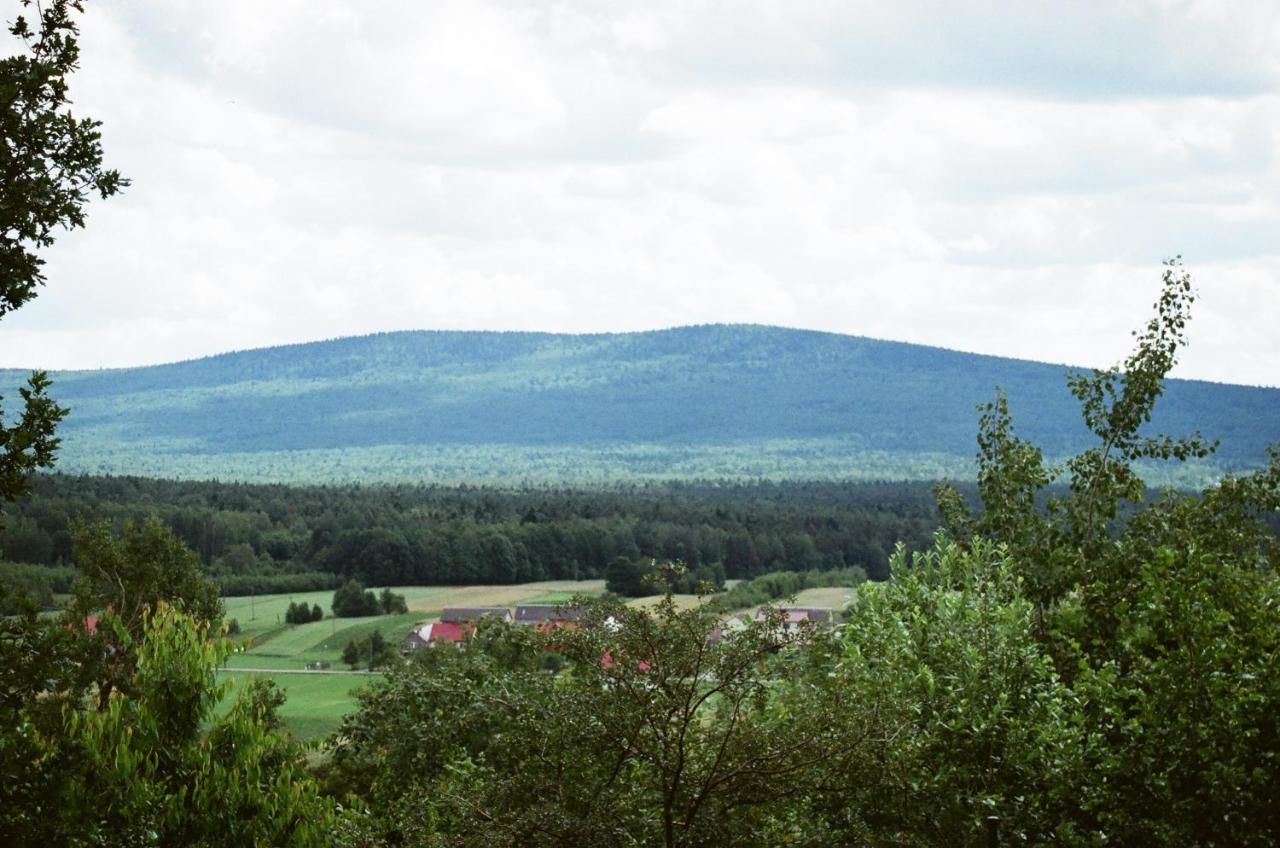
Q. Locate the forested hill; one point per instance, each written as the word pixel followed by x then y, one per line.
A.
pixel 705 401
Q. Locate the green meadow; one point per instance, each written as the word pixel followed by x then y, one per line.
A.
pixel 264 613
pixel 317 700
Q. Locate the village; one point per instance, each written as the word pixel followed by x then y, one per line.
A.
pixel 457 624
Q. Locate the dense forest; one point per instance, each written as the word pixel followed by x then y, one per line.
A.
pixel 713 401
pixel 262 538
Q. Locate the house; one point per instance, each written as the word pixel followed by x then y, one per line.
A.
pixel 547 617
pixel 452 632
pixel 456 624
pixel 461 615
pixel 419 637
pixel 795 617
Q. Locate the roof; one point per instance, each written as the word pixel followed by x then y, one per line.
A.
pixel 449 631
pixel 418 636
pixel 460 614
pixel 795 615
pixel 534 613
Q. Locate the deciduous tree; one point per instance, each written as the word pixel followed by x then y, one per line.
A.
pixel 129 576
pixel 656 732
pixel 50 164
pixel 1162 615
pixel 157 766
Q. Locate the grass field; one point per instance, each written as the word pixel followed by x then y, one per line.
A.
pixel 835 597
pixel 506 596
pixel 683 602
pixel 262 613
pixel 552 598
pixel 317 701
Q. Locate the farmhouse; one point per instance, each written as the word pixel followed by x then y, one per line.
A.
pixel 419 637
pixel 470 615
pixel 795 617
pixel 456 625
pixel 547 617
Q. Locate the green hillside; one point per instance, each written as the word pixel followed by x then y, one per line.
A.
pixel 705 401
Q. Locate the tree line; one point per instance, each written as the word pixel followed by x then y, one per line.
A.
pixel 256 539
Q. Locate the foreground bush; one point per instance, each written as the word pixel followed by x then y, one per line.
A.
pixel 155 766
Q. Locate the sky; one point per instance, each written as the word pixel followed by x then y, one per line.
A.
pixel 1007 180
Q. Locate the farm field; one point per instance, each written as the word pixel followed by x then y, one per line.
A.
pixel 835 597
pixel 318 700
pixel 263 613
pixel 683 602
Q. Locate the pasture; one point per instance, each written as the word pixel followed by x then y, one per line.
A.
pixel 317 701
pixel 683 602
pixel 834 597
pixel 263 613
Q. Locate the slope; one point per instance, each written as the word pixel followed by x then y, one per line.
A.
pixel 704 401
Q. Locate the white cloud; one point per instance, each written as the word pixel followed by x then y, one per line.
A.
pixel 1002 182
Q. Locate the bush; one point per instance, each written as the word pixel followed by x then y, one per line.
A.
pixel 632 578
pixel 352 600
pixel 392 603
pixel 638 578
pixel 372 650
pixel 298 613
pixel 781 584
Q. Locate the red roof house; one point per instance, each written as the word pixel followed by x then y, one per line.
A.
pixel 453 632
pixel 793 617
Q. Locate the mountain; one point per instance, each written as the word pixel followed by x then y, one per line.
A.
pixel 706 401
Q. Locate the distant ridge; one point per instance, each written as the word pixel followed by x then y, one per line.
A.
pixel 734 401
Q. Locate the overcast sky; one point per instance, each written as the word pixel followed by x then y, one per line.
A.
pixel 1004 181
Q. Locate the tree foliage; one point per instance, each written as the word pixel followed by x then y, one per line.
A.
pixel 352 600
pixel 128 576
pixel 300 613
pixel 963 720
pixel 392 603
pixel 373 651
pixel 50 164
pixel 158 766
pixel 1161 616
pixel 130 573
pixel 286 540
pixel 51 160
pixel 656 732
